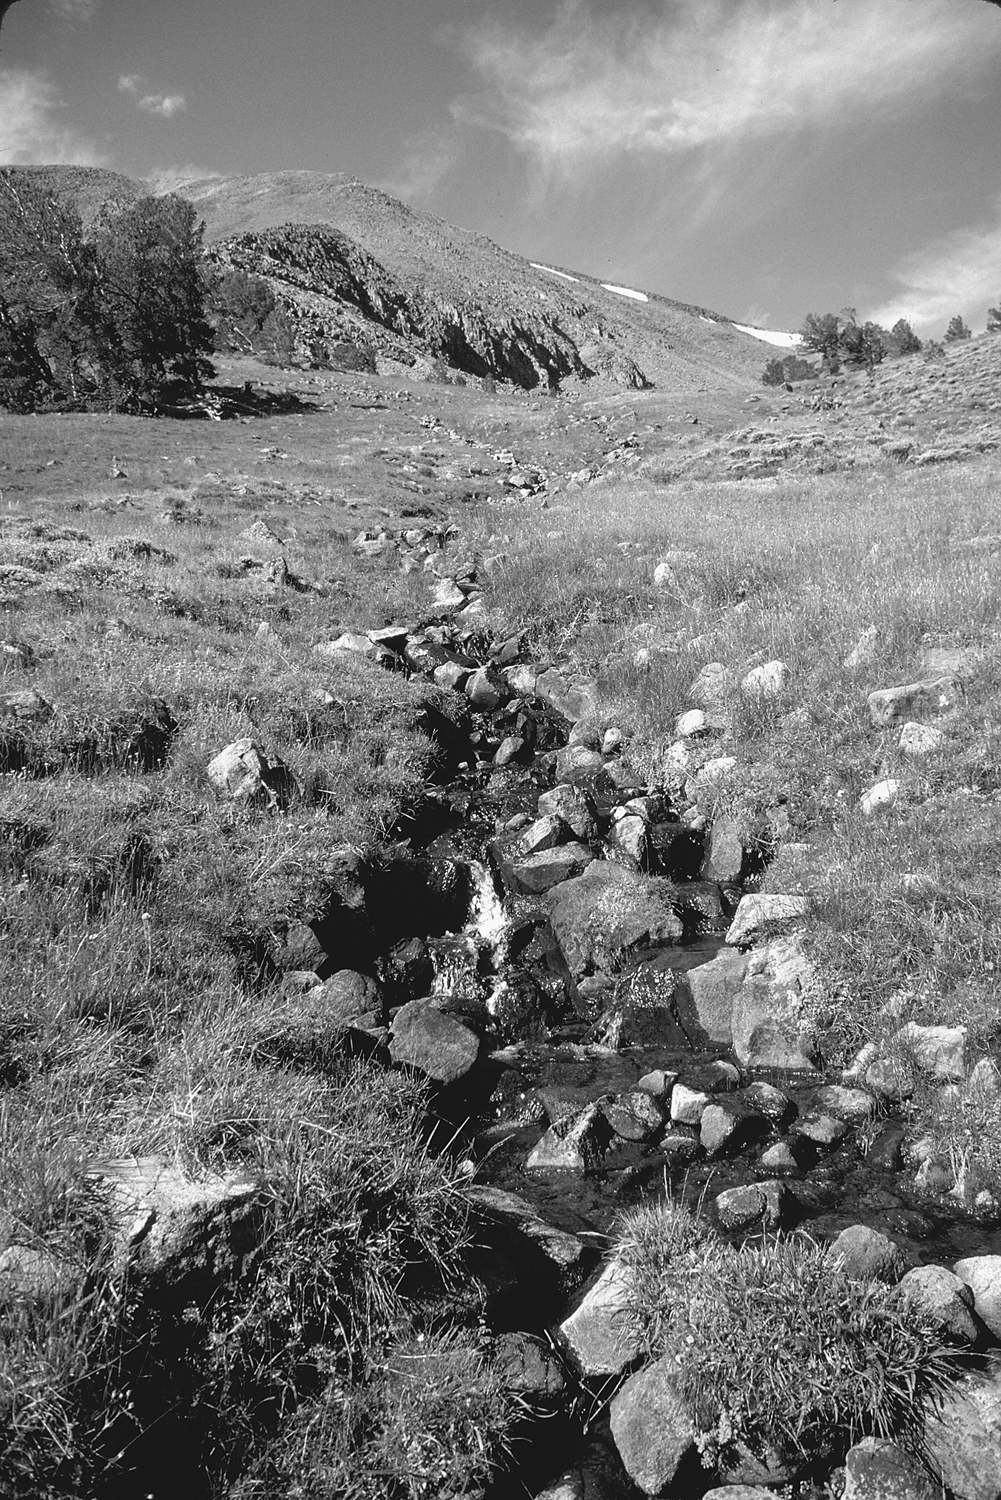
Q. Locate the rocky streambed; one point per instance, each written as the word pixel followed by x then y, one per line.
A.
pixel 613 1011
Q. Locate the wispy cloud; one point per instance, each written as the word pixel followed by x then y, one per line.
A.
pixel 74 10
pixel 427 160
pixel 164 105
pixel 693 73
pixel 958 273
pixel 31 128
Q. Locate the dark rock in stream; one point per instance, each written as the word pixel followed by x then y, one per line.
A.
pixel 437 1045
pixel 605 915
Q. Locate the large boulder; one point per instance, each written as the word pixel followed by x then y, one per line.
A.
pixel 599 1334
pixel 652 1426
pixel 982 1274
pixel 891 705
pixel 771 1023
pixel 878 1470
pixel 574 1143
pixel 760 911
pixel 243 773
pixel 608 914
pixel 435 1044
pixel 963 1435
pixel 713 988
pixel 945 1297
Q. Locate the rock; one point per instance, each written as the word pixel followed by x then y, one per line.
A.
pixel 565 1251
pixel 890 705
pixel 822 1129
pixel 688 1105
pixel 572 700
pixel 739 1492
pixel 540 872
pixel 636 1115
pixel 890 1079
pixel 921 739
pixel 569 1486
pixel 714 987
pixel 544 833
pixel 716 770
pixel 599 1334
pixel 944 1296
pixel 864 650
pixel 939 1050
pixel 758 1203
pixel 854 1105
pixel 951 661
pixel 643 1012
pixel 772 1027
pixel 963 1437
pixel 520 679
pixel 692 724
pixel 713 685
pixel 756 912
pixel 573 1144
pixel 729 1127
pixel 652 1426
pixel 350 642
pixel 25 706
pixel 770 1101
pixel 725 855
pixel 782 1157
pixel 452 675
pixel 866 1255
pixel 31 1274
pixel 447 595
pixel 982 1274
pixel 508 750
pixel 576 763
pixel 185 1234
pixel 572 806
pixel 243 773
pixel 436 1044
pixel 880 797
pixel 627 840
pixel 486 689
pixel 526 1368
pixel 766 681
pixel 878 1470
pixel 608 913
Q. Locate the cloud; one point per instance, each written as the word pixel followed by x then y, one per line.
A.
pixel 693 73
pixel 74 10
pixel 31 130
pixel 164 105
pixel 958 273
pixel 428 159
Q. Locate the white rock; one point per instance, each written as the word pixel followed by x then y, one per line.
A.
pixel 920 739
pixel 448 595
pixel 754 912
pixel 691 723
pixel 688 1105
pixel 717 769
pixel 349 641
pixel 982 1274
pixel 713 684
pixel 939 1050
pixel 766 681
pixel 597 1333
pixel 880 796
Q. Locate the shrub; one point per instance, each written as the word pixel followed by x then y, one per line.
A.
pixel 902 339
pixel 957 331
pixel 994 319
pixel 777 1350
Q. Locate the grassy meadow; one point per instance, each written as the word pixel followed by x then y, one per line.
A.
pixel 142 917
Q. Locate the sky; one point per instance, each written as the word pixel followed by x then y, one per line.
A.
pixel 763 158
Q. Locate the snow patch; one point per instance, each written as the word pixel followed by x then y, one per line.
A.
pixel 780 340
pixel 625 291
pixel 552 271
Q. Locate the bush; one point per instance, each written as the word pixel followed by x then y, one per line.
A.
pixel 902 339
pixel 957 331
pixel 776 1348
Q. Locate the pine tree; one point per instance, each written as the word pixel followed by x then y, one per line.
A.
pixel 957 330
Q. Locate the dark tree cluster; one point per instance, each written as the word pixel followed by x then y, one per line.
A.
pixel 787 369
pixel 112 319
pixel 246 317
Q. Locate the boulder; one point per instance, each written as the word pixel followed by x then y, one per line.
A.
pixel 757 1203
pixel 572 806
pixel 565 1251
pixel 526 1368
pixel 636 1115
pixel 982 1274
pixel 878 1470
pixel 766 681
pixel 963 1437
pixel 866 1255
pixel 688 1105
pixel 921 739
pixel 939 1050
pixel 881 796
pixel 349 643
pixel 436 1044
pixel 571 699
pixel 692 724
pixel 643 1012
pixel 754 913
pixel 822 1129
pixel 575 1143
pixel 187 1235
pixel 540 872
pixel 576 763
pixel 854 1105
pixel 243 773
pixel 891 705
pixel 447 595
pixel 608 913
pixel 599 1333
pixel 942 1295
pixel 713 685
pixel 730 1127
pixel 713 988
pixel 486 689
pixel 771 1022
pixel 725 855
pixel 627 839
pixel 544 833
pixel 652 1426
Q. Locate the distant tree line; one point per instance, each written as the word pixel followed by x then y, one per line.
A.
pixel 122 316
pixel 843 339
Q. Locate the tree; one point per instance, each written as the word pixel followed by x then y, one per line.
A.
pixel 821 334
pixel 864 344
pixel 784 370
pixel 957 330
pixel 994 319
pixel 114 321
pixel 246 316
pixel 902 338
